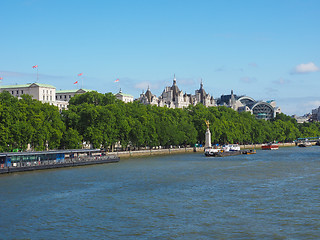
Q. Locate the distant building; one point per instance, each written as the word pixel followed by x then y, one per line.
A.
pixel 261 109
pixel 202 97
pixel 173 97
pixel 124 97
pixel 42 92
pixel 148 98
pixel 63 97
pixel 315 115
pixel 302 119
pixel 66 95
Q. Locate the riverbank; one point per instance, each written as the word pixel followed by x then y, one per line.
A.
pixel 138 153
pixel 128 154
pixel 258 146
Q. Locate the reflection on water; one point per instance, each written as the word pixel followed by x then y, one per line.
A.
pixel 272 194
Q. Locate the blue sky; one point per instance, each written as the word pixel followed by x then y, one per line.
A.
pixel 266 49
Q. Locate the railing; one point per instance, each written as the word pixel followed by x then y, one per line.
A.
pixel 47 164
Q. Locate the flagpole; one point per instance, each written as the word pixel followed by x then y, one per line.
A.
pixel 37 75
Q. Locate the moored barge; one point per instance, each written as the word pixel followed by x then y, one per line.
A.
pixel 30 161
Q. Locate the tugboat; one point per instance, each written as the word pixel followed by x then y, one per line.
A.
pixel 249 151
pixel 270 146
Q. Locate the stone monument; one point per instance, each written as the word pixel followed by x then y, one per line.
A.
pixel 208 136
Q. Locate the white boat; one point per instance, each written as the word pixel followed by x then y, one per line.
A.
pixel 212 151
pixel 231 147
pixel 225 150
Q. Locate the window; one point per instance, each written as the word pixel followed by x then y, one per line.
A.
pixel 12 92
pixel 43 98
pixel 65 96
pixel 50 98
pixel 21 91
pixel 47 98
pixel 17 91
pixel 47 91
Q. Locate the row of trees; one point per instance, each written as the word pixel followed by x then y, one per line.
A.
pixel 102 120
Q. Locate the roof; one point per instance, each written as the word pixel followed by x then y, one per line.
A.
pixel 27 85
pixel 123 94
pixel 73 91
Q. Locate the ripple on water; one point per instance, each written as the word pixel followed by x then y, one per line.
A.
pixel 269 195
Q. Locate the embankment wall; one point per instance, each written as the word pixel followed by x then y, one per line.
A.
pixel 127 154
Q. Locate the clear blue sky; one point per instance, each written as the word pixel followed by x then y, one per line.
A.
pixel 266 49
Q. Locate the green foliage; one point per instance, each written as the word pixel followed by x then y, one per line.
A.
pixel 26 121
pixel 103 121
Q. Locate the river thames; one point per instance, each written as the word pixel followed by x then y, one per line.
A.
pixel 269 195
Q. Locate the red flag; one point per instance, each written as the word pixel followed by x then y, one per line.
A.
pixel 75 82
pixel 80 74
pixel 1 78
pixel 35 66
pixel 117 80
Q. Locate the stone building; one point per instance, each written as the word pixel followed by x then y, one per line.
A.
pixel 44 93
pixel 124 97
pixel 315 115
pixel 173 97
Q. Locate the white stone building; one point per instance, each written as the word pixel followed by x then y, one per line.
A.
pixel 42 92
pixel 124 97
pixel 172 97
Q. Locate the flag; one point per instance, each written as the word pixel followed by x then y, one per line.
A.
pixel 117 80
pixel 80 74
pixel 35 66
pixel 1 78
pixel 75 82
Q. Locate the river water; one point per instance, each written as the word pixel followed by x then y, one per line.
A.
pixel 269 195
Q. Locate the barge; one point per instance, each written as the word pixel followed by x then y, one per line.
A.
pixel 29 161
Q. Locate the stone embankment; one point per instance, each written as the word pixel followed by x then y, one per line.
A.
pixel 138 153
pixel 258 146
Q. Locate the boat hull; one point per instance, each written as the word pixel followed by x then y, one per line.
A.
pixel 270 147
pixel 223 154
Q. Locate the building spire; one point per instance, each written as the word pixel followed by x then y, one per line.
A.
pixel 174 79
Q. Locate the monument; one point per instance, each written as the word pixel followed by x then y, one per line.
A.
pixel 208 136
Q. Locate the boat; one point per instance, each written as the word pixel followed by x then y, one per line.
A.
pixel 212 151
pixel 270 146
pixel 249 151
pixel 225 150
pixel 231 147
pixel 305 144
